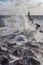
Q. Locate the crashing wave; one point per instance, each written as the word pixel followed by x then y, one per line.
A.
pixel 21 41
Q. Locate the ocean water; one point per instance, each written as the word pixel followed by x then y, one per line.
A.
pixel 8 23
pixel 38 19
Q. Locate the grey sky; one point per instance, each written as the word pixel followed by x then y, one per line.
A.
pixel 16 6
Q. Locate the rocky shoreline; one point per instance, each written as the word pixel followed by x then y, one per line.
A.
pixel 22 47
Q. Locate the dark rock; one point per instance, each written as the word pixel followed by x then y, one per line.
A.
pixel 31 61
pixel 37 25
pixel 18 51
pixel 28 52
pixel 11 44
pixel 4 61
pixel 27 61
pixel 41 31
pixel 20 39
pixel 20 62
pixel 29 44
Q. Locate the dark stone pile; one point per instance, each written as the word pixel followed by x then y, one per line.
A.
pixel 28 53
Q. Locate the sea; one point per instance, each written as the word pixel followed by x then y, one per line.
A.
pixel 38 19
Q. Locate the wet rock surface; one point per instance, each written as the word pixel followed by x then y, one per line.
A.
pixel 23 52
pixel 22 48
